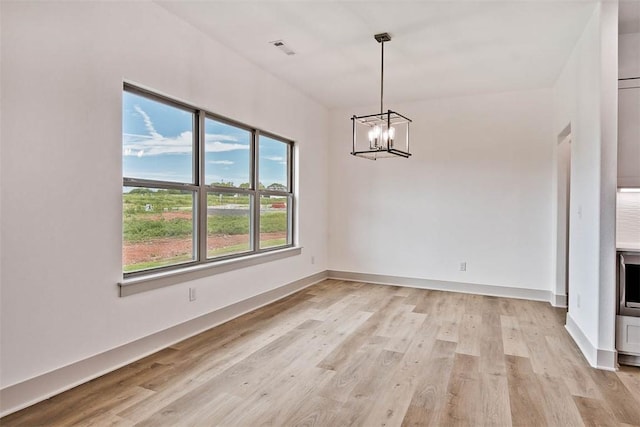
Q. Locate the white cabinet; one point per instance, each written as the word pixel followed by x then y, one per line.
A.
pixel 629 133
pixel 628 335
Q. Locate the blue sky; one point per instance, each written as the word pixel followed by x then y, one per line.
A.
pixel 157 144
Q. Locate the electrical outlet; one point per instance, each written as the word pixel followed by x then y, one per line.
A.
pixel 463 266
pixel 192 294
pixel 313 259
pixel 578 300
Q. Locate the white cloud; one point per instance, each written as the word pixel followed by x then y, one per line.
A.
pixel 213 143
pixel 221 162
pixel 135 135
pixel 148 123
pixel 133 145
pixel 281 160
pixel 156 144
pixel 217 146
pixel 218 137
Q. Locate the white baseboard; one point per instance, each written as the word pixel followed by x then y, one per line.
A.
pixel 34 390
pixel 559 301
pixel 441 285
pixel 596 357
pixel 607 360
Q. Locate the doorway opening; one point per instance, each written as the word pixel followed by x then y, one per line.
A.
pixel 563 191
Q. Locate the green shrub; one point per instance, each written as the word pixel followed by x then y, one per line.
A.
pixel 228 224
pixel 273 222
pixel 138 229
pixel 142 227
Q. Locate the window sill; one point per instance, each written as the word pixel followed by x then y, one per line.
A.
pixel 152 281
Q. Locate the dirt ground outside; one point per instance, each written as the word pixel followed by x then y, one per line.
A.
pixel 159 249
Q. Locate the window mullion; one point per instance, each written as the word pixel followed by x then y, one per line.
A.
pixel 289 168
pixel 165 185
pixel 202 192
pixel 256 198
pixel 290 224
pixel 291 205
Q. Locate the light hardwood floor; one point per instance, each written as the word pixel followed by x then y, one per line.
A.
pixel 344 353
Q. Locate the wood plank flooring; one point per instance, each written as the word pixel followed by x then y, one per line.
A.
pixel 346 353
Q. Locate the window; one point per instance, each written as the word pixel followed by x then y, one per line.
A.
pixel 198 188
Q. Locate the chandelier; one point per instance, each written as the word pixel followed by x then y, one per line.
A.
pixel 384 134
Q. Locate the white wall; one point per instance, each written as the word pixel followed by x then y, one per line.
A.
pixel 585 97
pixel 477 189
pixel 63 65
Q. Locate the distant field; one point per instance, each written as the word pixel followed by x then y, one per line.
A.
pixel 158 227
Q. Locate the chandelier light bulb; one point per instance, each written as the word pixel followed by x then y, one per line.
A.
pixel 392 133
pixel 374 136
pixel 391 136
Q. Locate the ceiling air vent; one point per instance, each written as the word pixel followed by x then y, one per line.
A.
pixel 280 44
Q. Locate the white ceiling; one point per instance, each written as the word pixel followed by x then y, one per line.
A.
pixel 438 48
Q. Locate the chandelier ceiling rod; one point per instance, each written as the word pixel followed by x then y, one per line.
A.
pixel 381 38
pixel 381 77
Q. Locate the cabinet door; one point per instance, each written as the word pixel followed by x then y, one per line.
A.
pixel 629 137
pixel 628 335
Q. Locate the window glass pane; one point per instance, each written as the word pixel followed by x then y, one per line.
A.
pixel 157 228
pixel 228 224
pixel 274 220
pixel 227 155
pixel 273 164
pixel 157 140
